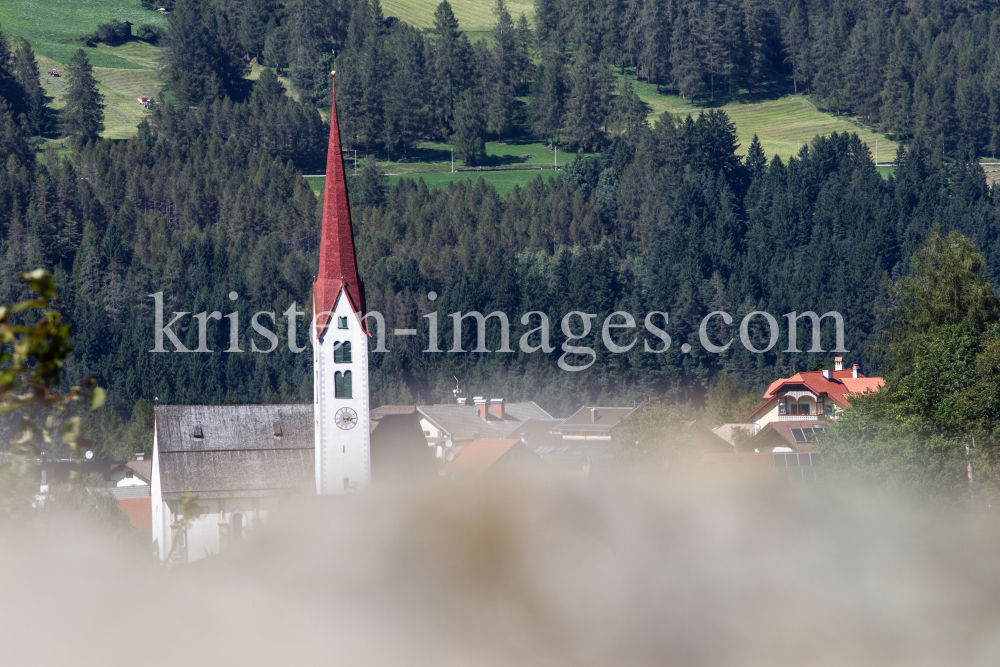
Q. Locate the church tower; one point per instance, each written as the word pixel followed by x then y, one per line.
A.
pixel 340 341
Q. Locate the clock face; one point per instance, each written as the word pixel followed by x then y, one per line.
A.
pixel 346 418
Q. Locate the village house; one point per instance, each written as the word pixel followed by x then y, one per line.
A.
pixel 448 427
pixel 795 410
pixel 494 457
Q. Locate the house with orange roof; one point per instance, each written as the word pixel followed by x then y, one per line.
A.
pixel 795 409
pixel 493 456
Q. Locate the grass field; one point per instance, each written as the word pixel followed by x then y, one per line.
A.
pixel 471 14
pixel 125 72
pixel 503 181
pixel 783 124
pixel 45 22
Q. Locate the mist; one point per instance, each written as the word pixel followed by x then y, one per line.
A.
pixel 636 571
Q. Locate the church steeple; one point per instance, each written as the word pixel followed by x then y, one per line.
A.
pixel 337 263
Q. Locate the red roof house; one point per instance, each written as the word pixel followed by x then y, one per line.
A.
pixel 795 409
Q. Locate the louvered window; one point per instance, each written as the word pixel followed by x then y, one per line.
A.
pixel 342 385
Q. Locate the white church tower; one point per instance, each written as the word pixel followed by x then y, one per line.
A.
pixel 340 341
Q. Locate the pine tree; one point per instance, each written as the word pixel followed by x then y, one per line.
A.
pixel 628 111
pixel 26 73
pixel 587 102
pixel 468 136
pixel 196 65
pixel 83 114
pixel 756 161
pixel 795 36
pixel 548 96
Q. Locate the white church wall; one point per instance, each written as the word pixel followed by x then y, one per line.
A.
pixel 214 530
pixel 156 497
pixel 342 425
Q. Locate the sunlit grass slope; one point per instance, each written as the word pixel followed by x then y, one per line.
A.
pixel 45 22
pixel 120 88
pixel 783 125
pixel 471 14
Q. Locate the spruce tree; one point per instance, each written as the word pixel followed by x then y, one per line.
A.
pixel 756 161
pixel 196 66
pixel 468 136
pixel 587 103
pixel 26 73
pixel 83 115
pixel 548 98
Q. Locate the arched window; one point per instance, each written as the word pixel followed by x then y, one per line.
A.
pixel 342 352
pixel 237 528
pixel 342 385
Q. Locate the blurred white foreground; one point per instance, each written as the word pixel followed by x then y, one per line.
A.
pixel 525 573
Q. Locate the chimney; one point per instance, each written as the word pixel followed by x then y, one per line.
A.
pixel 593 415
pixel 838 363
pixel 139 456
pixel 826 374
pixel 854 371
pixel 496 407
pixel 462 400
pixel 480 406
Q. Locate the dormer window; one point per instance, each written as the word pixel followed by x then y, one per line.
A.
pixel 341 322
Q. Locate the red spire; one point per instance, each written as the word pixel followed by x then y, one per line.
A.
pixel 337 264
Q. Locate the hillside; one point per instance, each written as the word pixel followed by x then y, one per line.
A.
pixel 473 15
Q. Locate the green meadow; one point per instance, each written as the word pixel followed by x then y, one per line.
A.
pixel 783 125
pixel 472 15
pixel 503 181
pixel 126 72
pixel 46 24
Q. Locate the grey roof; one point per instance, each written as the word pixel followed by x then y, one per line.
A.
pixel 130 492
pixel 462 421
pixel 233 451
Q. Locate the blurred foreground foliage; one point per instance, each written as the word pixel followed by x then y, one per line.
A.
pixel 42 414
pixel 934 429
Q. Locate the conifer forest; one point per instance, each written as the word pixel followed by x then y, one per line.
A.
pixel 670 215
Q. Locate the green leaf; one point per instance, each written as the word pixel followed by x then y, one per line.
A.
pixel 97 397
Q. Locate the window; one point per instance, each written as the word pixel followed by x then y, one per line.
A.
pixel 782 408
pixel 342 385
pixel 341 322
pixel 128 474
pixel 237 525
pixel 342 352
pixel 805 408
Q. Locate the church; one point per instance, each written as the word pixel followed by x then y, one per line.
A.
pixel 240 462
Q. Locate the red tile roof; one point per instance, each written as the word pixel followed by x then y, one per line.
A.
pixel 480 455
pixel 338 268
pixel 139 512
pixel 837 388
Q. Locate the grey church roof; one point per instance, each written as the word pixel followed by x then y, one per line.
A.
pixel 228 451
pixel 462 421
